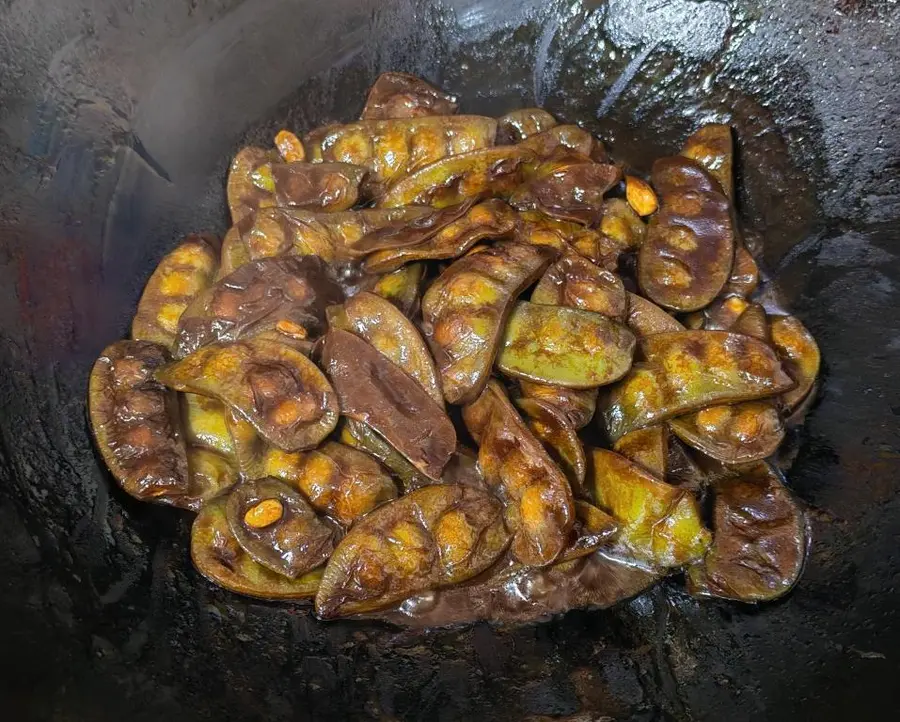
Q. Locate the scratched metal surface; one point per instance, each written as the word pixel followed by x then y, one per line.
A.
pixel 116 124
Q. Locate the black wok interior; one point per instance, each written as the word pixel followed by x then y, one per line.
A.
pixel 117 122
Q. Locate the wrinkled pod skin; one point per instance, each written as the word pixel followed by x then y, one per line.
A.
pixel 686 259
pixel 760 541
pixel 465 310
pixel 436 536
pixel 537 497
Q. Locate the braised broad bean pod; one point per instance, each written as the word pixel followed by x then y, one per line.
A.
pixel 568 186
pixel 564 347
pixel 537 498
pixel 458 178
pixel 432 537
pixel 205 423
pixel 800 355
pixel 382 324
pixel 310 186
pixel 465 310
pixel 578 405
pixel 250 449
pixel 132 417
pixel 220 558
pixel 645 318
pixel 688 370
pixel 559 437
pixel 687 256
pixel 760 539
pixel 712 147
pixel 592 529
pixel 278 528
pixel 333 237
pixel 400 95
pixel 210 475
pixel 244 196
pixel 179 277
pixel 523 123
pixel 744 277
pixel 260 295
pixel 565 137
pixel 735 434
pixel 754 322
pixel 391 149
pixel 273 386
pixel 538 229
pixel 401 287
pixel 647 447
pixel 234 253
pixel 342 482
pixel 576 282
pixel 359 435
pixel 488 220
pixel 660 524
pixel 374 390
pixel 409 232
pixel 620 223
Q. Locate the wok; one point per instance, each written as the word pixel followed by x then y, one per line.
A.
pixel 117 121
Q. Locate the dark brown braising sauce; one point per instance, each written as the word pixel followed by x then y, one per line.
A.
pixel 515 595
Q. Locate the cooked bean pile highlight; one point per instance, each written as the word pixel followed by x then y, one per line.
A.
pixel 440 357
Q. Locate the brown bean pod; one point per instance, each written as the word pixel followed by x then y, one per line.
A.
pixel 645 318
pixel 401 287
pixel 457 178
pixel 799 353
pixel 337 480
pixel 133 419
pixel 537 497
pixel 564 346
pixel 559 437
pixel 659 524
pixel 575 282
pixel 465 309
pixel 273 386
pixel 578 405
pixel 218 557
pixel 732 434
pixel 257 297
pixel 565 137
pixel 523 123
pixel 180 276
pixel 244 196
pixel 375 391
pixel 391 149
pixel 712 147
pixel 688 370
pixel 569 187
pixel 647 447
pixel 401 95
pixel 760 541
pixel 687 256
pixel 433 537
pixel 382 324
pixel 333 237
pixel 277 527
pixel 488 220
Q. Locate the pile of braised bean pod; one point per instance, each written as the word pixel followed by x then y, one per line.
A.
pixel 291 384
